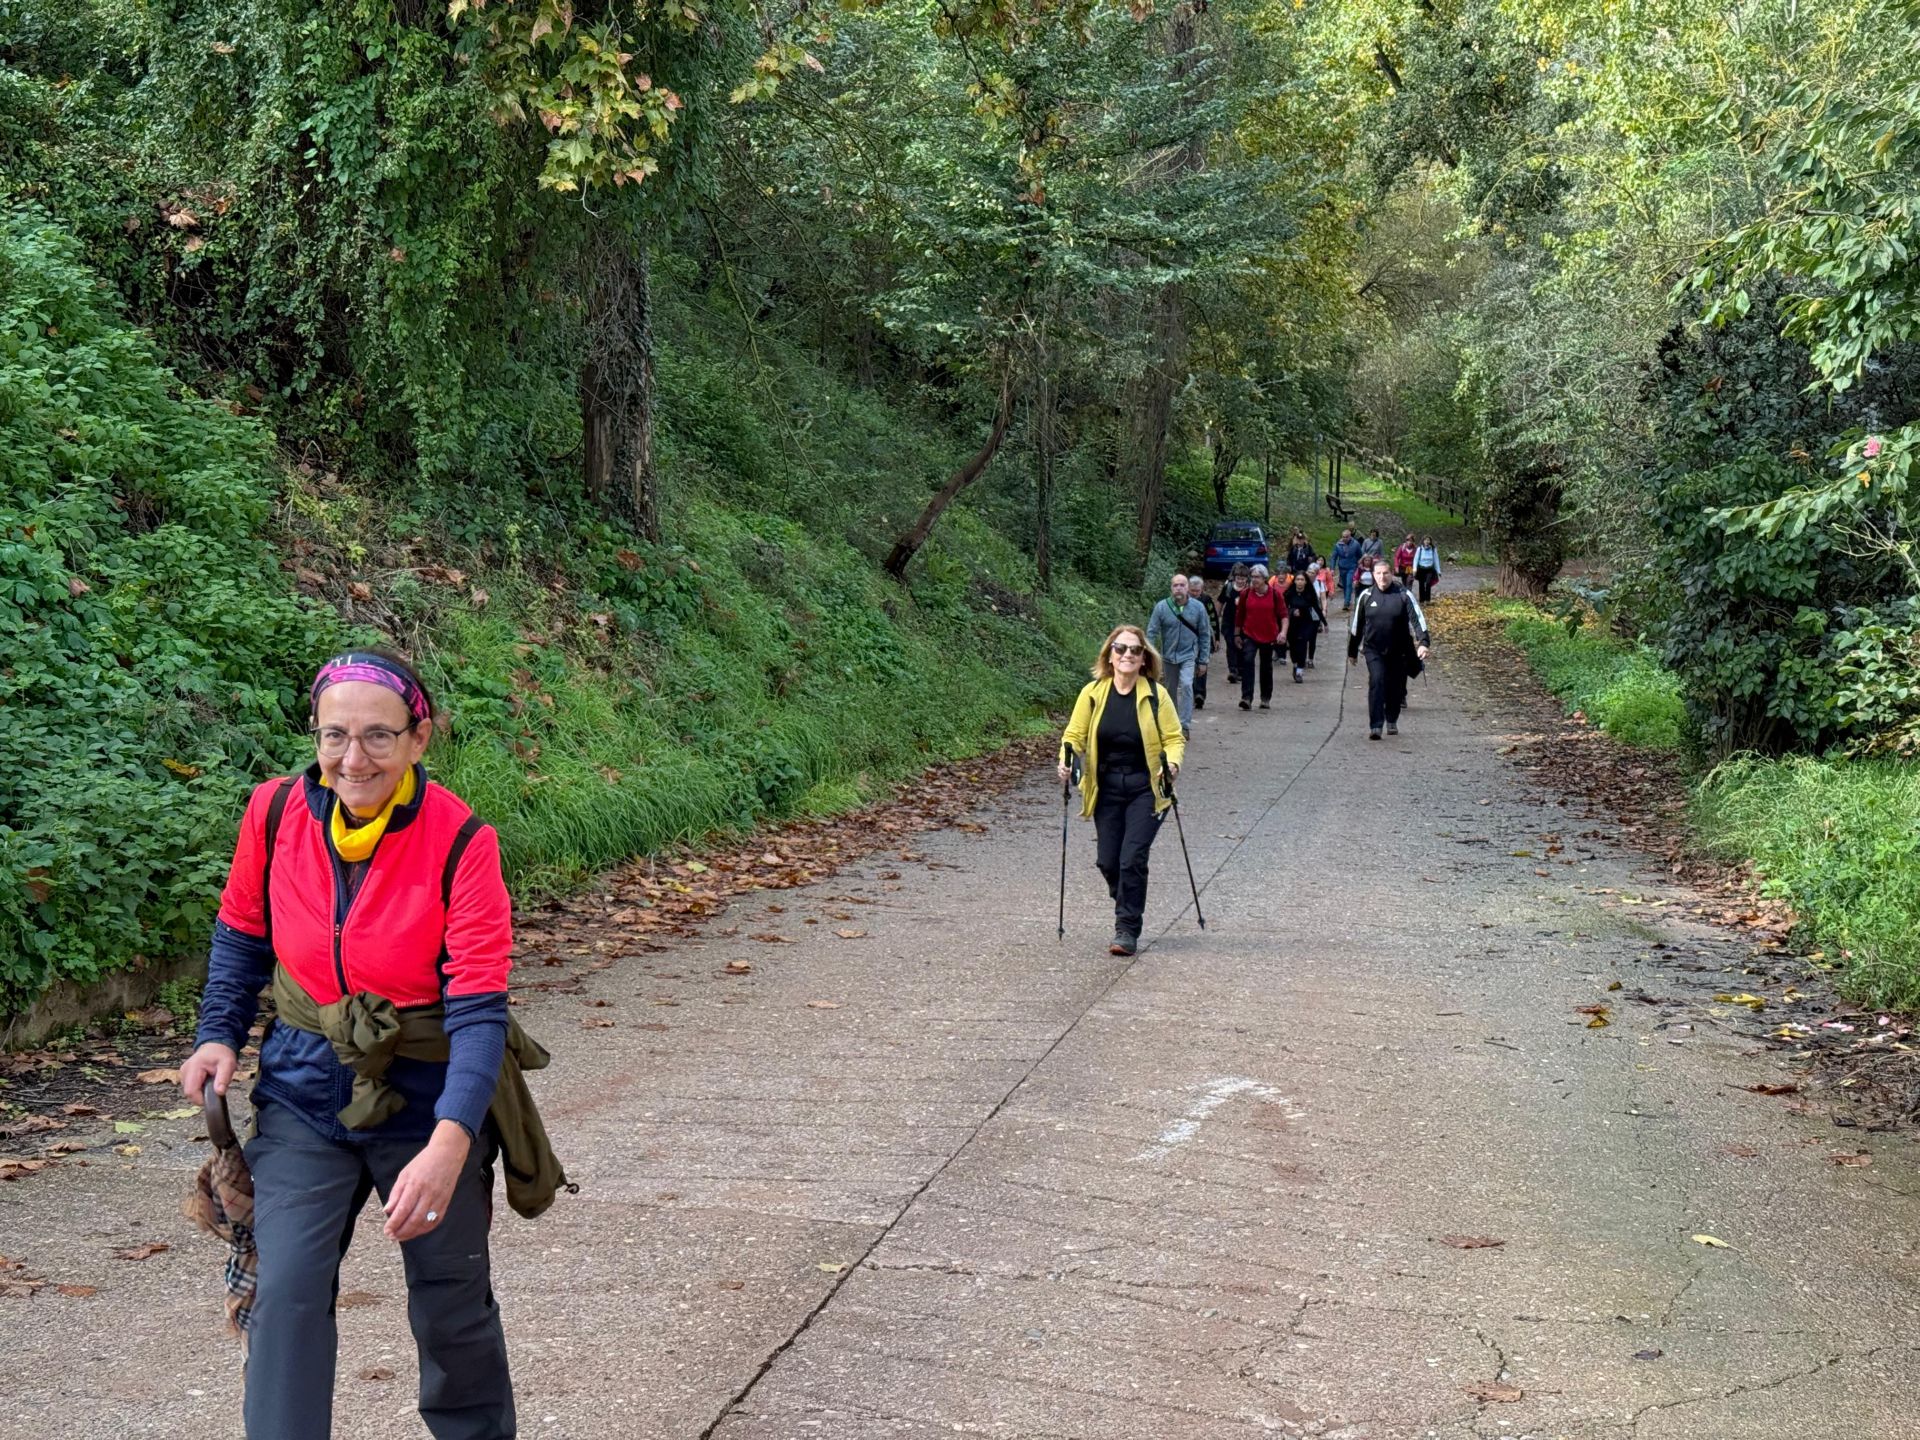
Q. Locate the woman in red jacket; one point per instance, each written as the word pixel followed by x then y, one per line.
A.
pixel 358 883
pixel 1260 616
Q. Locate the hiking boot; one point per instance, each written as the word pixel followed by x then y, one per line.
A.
pixel 1373 734
pixel 1392 729
pixel 1124 943
pixel 1263 704
pixel 1299 676
pixel 1246 704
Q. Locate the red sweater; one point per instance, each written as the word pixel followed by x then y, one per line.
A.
pixel 389 940
pixel 1261 618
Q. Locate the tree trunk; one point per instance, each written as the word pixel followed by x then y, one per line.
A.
pixel 1169 329
pixel 1043 490
pixel 645 494
pixel 908 545
pixel 1225 461
pixel 616 377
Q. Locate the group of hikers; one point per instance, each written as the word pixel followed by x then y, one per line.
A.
pixel 1126 756
pixel 369 900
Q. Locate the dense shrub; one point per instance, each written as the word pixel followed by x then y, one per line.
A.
pixel 152 653
pixel 1840 840
pixel 1619 685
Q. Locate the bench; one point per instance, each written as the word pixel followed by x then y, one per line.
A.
pixel 1338 508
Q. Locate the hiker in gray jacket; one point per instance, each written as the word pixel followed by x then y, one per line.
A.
pixel 1180 631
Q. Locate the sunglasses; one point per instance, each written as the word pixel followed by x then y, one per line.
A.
pixel 1129 649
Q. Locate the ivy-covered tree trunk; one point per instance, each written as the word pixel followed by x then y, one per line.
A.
pixel 616 377
pixel 1522 513
pixel 908 545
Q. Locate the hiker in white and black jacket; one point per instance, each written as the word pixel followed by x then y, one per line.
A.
pixel 1390 627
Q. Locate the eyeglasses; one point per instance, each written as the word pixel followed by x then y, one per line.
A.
pixel 1119 649
pixel 376 744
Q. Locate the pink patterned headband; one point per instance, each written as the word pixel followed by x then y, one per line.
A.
pixel 371 669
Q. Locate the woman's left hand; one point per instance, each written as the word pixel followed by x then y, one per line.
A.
pixel 424 1188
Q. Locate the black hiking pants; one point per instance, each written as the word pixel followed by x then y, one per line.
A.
pixel 308 1191
pixel 1426 575
pixel 1386 689
pixel 1300 640
pixel 1124 826
pixel 1248 650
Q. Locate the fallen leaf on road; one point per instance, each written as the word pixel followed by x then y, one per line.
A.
pixel 127 1127
pixel 143 1252
pixel 851 934
pixel 1617 985
pixel 1739 1152
pixel 185 1112
pixel 78 1292
pixel 1854 1160
pixel 78 1109
pixel 832 1267
pixel 1471 1242
pixel 771 939
pixel 733 1284
pixel 354 1299
pixel 1752 1002
pixel 376 1372
pixel 129 1151
pixel 595 1022
pixel 1648 1354
pixel 1714 1241
pixel 158 1077
pixel 30 1125
pixel 737 967
pixel 823 1004
pixel 1497 1391
pixel 1773 1089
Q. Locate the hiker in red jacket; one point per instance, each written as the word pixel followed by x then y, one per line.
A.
pixel 1260 617
pixel 372 901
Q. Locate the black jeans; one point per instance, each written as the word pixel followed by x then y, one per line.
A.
pixel 1248 650
pixel 1124 826
pixel 1300 640
pixel 1386 689
pixel 308 1190
pixel 1200 686
pixel 1426 575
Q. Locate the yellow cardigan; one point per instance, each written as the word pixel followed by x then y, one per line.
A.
pixel 1084 728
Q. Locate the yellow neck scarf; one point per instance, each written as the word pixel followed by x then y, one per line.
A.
pixel 354 843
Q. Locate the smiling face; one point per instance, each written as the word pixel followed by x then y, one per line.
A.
pixel 367 715
pixel 1128 653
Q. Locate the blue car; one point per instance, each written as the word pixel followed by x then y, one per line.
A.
pixel 1231 543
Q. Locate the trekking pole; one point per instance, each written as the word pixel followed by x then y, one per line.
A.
pixel 1066 793
pixel 1167 776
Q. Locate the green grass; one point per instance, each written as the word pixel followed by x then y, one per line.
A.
pixel 1615 683
pixel 1840 841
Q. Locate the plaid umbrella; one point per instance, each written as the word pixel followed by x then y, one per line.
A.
pixel 221 1203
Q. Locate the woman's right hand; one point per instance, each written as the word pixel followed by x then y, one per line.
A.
pixel 212 1061
pixel 1064 771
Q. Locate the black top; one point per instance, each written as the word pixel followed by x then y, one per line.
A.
pixel 1303 607
pixel 1121 746
pixel 1386 622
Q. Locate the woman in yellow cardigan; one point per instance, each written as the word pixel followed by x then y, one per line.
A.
pixel 1129 754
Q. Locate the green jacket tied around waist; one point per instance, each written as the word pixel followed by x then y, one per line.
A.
pixel 367 1031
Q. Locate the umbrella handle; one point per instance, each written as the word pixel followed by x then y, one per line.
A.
pixel 219 1123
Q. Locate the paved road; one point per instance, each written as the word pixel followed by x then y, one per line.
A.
pixel 1012 1187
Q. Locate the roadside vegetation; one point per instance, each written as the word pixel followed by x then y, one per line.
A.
pixel 1836 836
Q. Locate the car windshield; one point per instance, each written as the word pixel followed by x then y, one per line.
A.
pixel 1231 531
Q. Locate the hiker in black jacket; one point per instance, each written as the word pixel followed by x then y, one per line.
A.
pixel 1212 607
pixel 1389 626
pixel 1305 618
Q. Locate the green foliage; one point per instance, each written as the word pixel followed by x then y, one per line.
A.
pixel 154 656
pixel 1839 839
pixel 1618 685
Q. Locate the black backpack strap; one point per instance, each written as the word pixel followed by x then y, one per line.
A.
pixel 276 808
pixel 462 838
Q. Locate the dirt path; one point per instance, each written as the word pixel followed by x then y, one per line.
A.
pixel 943 1175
